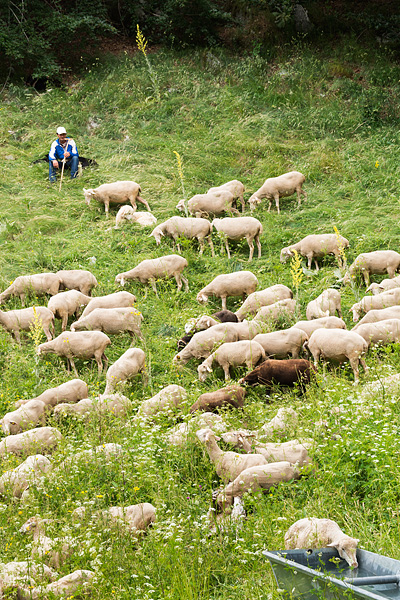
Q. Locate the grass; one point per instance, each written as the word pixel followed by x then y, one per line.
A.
pixel 331 114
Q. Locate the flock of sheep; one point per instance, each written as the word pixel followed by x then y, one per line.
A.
pixel 226 339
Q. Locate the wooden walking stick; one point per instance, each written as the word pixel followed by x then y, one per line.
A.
pixel 62 174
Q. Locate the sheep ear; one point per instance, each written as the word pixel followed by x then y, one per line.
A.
pixel 332 545
pixel 84 189
pixel 209 369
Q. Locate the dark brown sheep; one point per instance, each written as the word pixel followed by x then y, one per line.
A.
pixel 282 372
pixel 222 316
pixel 231 395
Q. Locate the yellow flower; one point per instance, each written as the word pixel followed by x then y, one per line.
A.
pixel 377 164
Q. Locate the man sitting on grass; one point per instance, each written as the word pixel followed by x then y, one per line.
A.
pixel 63 147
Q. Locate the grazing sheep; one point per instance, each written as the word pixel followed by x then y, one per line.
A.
pixel 27 416
pixel 118 192
pixel 205 322
pixel 293 451
pixel 171 396
pixel 382 332
pixel 42 440
pixel 70 391
pixel 112 321
pixel 279 187
pixel 203 343
pixel 281 344
pixel 215 203
pixel 289 372
pixel 235 187
pixel 80 409
pixel 321 533
pixel 274 312
pixel 135 518
pixel 177 227
pixel 231 395
pixel 44 547
pixel 149 270
pixel 116 404
pixel 66 304
pixel 178 435
pixel 317 246
pixel 233 354
pixel 255 301
pixel 238 228
pixel 127 213
pixel 80 344
pixel 384 285
pixel 128 365
pixel 373 263
pixel 338 346
pixel 39 285
pixel 325 305
pixel 74 585
pixel 15 321
pixel 16 481
pixel 116 300
pixel 384 300
pixel 278 425
pixel 77 279
pixel 373 316
pixel 241 283
pixel 324 323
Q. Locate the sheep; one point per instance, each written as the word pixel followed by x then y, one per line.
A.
pixel 233 354
pixel 66 304
pixel 39 284
pixel 53 552
pixel 27 416
pixel 338 346
pixel 77 279
pixel 235 187
pixel 278 425
pixel 384 285
pixel 127 366
pixel 384 300
pixel 325 305
pixel 149 270
pixel 241 283
pixel 317 246
pixel 178 435
pixel 323 323
pixel 112 321
pixel 116 300
pixel 127 213
pixel 177 227
pixel 118 192
pixel 80 409
pixel 24 319
pixel 116 404
pixel 74 585
pixel 43 440
pixel 383 332
pixel 238 228
pixel 171 396
pixel 373 263
pixel 290 372
pixel 231 395
pixel 373 316
pixel 228 465
pixel 279 187
pixel 205 322
pixel 203 343
pixel 214 203
pixel 70 391
pixel 17 574
pixel 256 300
pixel 320 533
pixel 293 451
pixel 275 312
pixel 16 481
pixel 385 387
pixel 281 344
pixel 136 518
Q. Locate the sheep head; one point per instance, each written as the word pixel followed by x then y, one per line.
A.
pixel 205 435
pixel 204 370
pixel 120 278
pixel 88 195
pixel 355 310
pixel 347 549
pixel 157 233
pixel 254 201
pixel 286 253
pixel 181 205
pixel 202 297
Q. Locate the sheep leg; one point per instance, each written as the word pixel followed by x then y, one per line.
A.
pixel 316 264
pixel 277 202
pixel 99 364
pixel 242 202
pixel 226 372
pixel 153 285
pixel 366 277
pixel 227 248
pixel 391 272
pixel 179 248
pixel 269 205
pixel 258 245
pixel 22 296
pixel 201 244
pixel 71 362
pixel 178 281
pixel 299 191
pixel 17 337
pixel 107 206
pixel 223 298
pixel 185 281
pixel 364 365
pixel 143 201
pixel 251 246
pixel 211 246
pixel 235 210
pixel 47 333
pixel 354 366
pixel 303 193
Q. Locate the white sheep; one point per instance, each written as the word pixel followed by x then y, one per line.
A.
pixel 384 285
pixel 382 332
pixel 279 187
pixel 373 263
pixel 235 187
pixel 317 246
pixel 127 213
pixel 256 300
pixel 233 354
pixel 181 227
pixel 274 312
pixel 127 366
pixel 112 321
pixel 27 416
pixel 325 305
pixel 42 440
pixel 70 391
pixel 240 283
pixel 281 344
pixel 39 284
pixel 77 279
pixel 118 192
pixel 79 409
pixel 372 316
pixel 25 573
pixel 323 323
pixel 384 300
pixel 203 343
pixel 53 552
pixel 278 425
pixel 76 584
pixel 293 451
pixel 116 300
pixel 148 271
pixel 179 435
pixel 171 396
pixel 215 203
pixel 320 533
pixel 66 304
pixel 135 518
pixel 24 319
pixel 239 228
pixel 16 481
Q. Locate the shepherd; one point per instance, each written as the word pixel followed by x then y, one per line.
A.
pixel 63 151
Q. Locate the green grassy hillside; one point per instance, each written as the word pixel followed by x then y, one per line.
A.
pixel 333 115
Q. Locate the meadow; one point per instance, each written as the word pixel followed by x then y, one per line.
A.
pixel 331 113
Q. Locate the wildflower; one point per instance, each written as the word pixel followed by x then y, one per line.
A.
pixel 377 164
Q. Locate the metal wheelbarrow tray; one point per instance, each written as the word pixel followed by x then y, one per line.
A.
pixel 322 574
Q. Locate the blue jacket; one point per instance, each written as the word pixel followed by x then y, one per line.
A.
pixel 57 151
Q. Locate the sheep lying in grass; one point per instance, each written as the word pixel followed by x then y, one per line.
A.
pixel 116 300
pixel 317 246
pixel 128 365
pixel 234 354
pixel 373 263
pixel 77 279
pixel 325 305
pixel 241 283
pixel 322 533
pixel 24 573
pixel 118 192
pixel 293 452
pixel 52 552
pixel 256 300
pixel 66 304
pixel 384 285
pixel 279 425
pixel 281 344
pixel 231 396
pixel 384 300
pixel 70 391
pixel 39 285
pixel 15 321
pixel 235 187
pixel 279 187
pixel 179 435
pixel 205 322
pixel 41 440
pixel 16 481
pixel 149 270
pixel 239 228
pixel 179 227
pixel 323 323
pixel 112 321
pixel 171 396
pixel 135 518
pixel 128 213
pixel 80 409
pixel 27 416
pixel 74 585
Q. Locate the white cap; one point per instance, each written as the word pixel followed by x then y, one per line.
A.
pixel 61 130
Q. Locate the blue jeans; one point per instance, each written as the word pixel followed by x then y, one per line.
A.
pixel 70 163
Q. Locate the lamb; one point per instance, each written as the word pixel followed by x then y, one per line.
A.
pixel 39 284
pixel 279 187
pixel 149 270
pixel 372 316
pixel 233 354
pixel 384 285
pixel 15 321
pixel 317 246
pixel 278 425
pixel 323 323
pixel 325 305
pixel 112 321
pixel 240 283
pixel 66 304
pixel 238 228
pixel 80 344
pixel 127 213
pixel 129 364
pixel 281 344
pixel 177 227
pixel 231 395
pixel 228 465
pixel 116 300
pixel 28 416
pixel 203 343
pixel 42 440
pixel 373 263
pixel 118 192
pixel 214 203
pixel 53 552
pixel 383 332
pixel 235 187
pixel 384 300
pixel 70 391
pixel 16 481
pixel 288 372
pixel 274 312
pixel 79 582
pixel 255 301
pixel 320 533
pixel 136 518
pixel 205 322
pixel 77 279
pixel 178 435
pixel 171 396
pixel 339 346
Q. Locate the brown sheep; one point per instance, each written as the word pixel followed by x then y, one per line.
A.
pixel 231 395
pixel 283 372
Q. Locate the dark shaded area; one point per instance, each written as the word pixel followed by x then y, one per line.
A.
pixel 85 162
